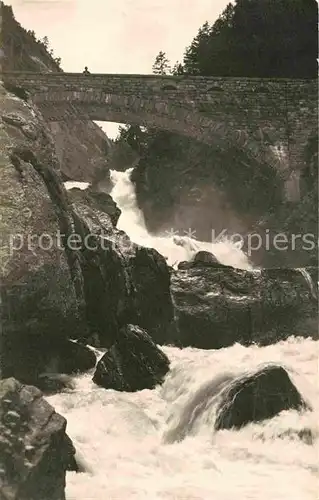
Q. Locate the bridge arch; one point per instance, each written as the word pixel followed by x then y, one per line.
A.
pixel 219 111
pixel 184 119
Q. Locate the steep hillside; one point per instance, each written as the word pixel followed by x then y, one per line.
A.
pixel 82 149
pixel 192 189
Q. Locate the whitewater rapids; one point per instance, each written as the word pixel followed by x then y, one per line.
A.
pixel 121 438
pixel 173 247
pixel 126 442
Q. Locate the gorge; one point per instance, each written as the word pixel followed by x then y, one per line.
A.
pixel 141 360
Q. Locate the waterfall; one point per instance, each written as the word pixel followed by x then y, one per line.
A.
pixel 173 247
pixel 160 444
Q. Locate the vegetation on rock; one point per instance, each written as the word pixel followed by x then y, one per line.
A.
pixel 272 38
pixel 250 39
pixel 46 44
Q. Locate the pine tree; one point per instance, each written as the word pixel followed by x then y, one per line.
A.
pixel 197 52
pixel 268 38
pixel 161 65
pixel 178 69
pixel 58 61
pixel 45 41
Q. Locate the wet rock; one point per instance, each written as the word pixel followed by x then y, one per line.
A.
pixel 51 383
pixel 99 200
pixel 35 451
pixel 41 291
pixel 185 264
pixel 306 435
pixel 217 307
pixel 74 357
pixel 151 294
pixel 82 148
pixel 205 258
pixel 74 466
pixel 132 283
pixel 257 397
pixel 133 363
pixel 67 357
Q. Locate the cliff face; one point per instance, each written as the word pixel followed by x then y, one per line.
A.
pixel 184 184
pixel 190 187
pixel 81 148
pixel 52 288
pixel 41 286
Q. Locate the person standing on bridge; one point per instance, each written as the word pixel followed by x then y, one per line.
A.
pixel 86 71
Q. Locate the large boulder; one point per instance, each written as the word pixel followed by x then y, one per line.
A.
pixel 132 283
pixel 206 258
pixel 258 396
pixel 74 357
pixel 51 383
pixel 99 201
pixel 231 401
pixel 216 307
pixel 35 451
pixel 152 299
pixel 41 288
pixel 66 357
pixel 133 363
pixel 70 357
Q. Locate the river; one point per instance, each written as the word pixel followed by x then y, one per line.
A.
pixel 124 440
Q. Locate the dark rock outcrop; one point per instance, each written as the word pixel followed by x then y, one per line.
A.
pixel 98 200
pixel 133 363
pixel 65 270
pixel 35 451
pixel 71 357
pixel 51 383
pixel 65 357
pixel 42 298
pixel 257 397
pixel 201 258
pixel 206 258
pixel 151 294
pixel 130 282
pixel 81 148
pixel 217 307
pixel 182 184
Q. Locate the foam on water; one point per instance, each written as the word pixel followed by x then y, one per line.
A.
pixel 148 445
pixel 75 184
pixel 121 438
pixel 175 248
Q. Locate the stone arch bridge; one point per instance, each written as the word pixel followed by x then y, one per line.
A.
pixel 271 118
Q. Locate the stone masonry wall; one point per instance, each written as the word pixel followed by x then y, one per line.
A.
pixel 271 119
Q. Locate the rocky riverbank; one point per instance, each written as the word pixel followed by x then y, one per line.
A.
pixel 52 290
pixel 67 272
pixel 217 306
